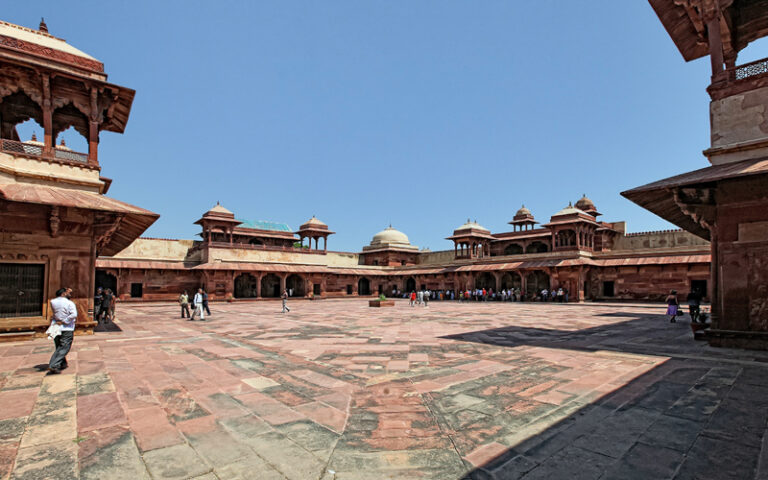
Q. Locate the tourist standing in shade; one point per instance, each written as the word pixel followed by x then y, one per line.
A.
pixel 285 301
pixel 64 315
pixel 197 303
pixel 97 299
pixel 184 302
pixel 106 305
pixel 672 305
pixel 205 302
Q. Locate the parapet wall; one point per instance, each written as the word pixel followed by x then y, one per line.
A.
pixel 157 249
pixel 664 239
pixel 431 258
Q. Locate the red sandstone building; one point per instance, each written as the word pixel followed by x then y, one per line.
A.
pixel 727 202
pixel 239 259
pixel 54 216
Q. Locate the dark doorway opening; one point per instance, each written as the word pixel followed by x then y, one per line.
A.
pixel 410 285
pixel 106 281
pixel 700 286
pixel 137 290
pixel 316 288
pixel 608 289
pixel 349 290
pixel 363 287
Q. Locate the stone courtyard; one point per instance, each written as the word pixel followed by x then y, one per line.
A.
pixel 337 390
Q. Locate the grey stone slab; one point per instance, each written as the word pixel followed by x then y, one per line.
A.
pixel 313 437
pixel 247 469
pixel 644 462
pixel 54 461
pixel 293 461
pixel 515 467
pixel 117 461
pixel 661 395
pixel 176 462
pixel 697 403
pixel 715 459
pixel 573 462
pixel 672 432
pixel 218 447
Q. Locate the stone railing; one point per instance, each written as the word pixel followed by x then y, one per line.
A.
pixel 748 70
pixel 270 248
pixel 32 150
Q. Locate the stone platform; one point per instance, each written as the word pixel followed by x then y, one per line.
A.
pixel 337 390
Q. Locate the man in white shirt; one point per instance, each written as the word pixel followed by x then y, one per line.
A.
pixel 198 303
pixel 65 315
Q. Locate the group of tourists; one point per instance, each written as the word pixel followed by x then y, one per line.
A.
pixel 199 305
pixel 104 305
pixel 422 297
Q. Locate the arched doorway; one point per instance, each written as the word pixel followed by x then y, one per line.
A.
pixel 537 247
pixel 363 286
pixel 270 286
pixel 410 285
pixel 295 285
pixel 513 249
pixel 246 286
pixel 485 280
pixel 535 282
pixel 106 280
pixel 511 280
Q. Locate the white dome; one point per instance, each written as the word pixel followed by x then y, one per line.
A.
pixel 390 236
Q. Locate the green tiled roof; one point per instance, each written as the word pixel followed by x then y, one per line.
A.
pixel 265 225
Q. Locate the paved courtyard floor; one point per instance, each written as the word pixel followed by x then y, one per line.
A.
pixel 337 390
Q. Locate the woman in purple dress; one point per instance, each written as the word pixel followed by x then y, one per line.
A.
pixel 672 305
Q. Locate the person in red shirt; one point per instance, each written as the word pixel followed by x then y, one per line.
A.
pixel 413 298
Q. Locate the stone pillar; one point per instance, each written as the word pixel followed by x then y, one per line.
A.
pixel 93 129
pixel 325 243
pixel 258 285
pixel 47 117
pixel 283 277
pixel 711 16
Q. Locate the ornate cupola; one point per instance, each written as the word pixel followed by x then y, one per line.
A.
pixel 471 241
pixel 314 229
pixel 523 220
pixel 588 206
pixel 572 229
pixel 216 222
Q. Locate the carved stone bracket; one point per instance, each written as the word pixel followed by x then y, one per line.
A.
pixel 103 239
pixel 54 221
pixel 698 203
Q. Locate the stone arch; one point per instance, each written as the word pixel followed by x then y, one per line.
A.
pixel 69 116
pixel 566 238
pixel 246 286
pixel 16 108
pixel 513 249
pixel 537 247
pixel 270 286
pixel 535 282
pixel 485 280
pixel 410 285
pixel 295 284
pixel 511 280
pixel 363 286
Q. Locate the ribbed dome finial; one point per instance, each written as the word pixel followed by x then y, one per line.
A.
pixel 43 27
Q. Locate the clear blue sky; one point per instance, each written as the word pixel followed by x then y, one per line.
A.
pixel 418 113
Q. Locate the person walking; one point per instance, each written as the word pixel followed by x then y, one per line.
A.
pixel 97 299
pixel 426 297
pixel 184 302
pixel 205 302
pixel 419 297
pixel 672 305
pixel 694 304
pixel 285 301
pixel 197 303
pixel 412 298
pixel 64 315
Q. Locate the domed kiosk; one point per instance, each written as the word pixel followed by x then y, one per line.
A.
pixel 471 240
pixel 390 247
